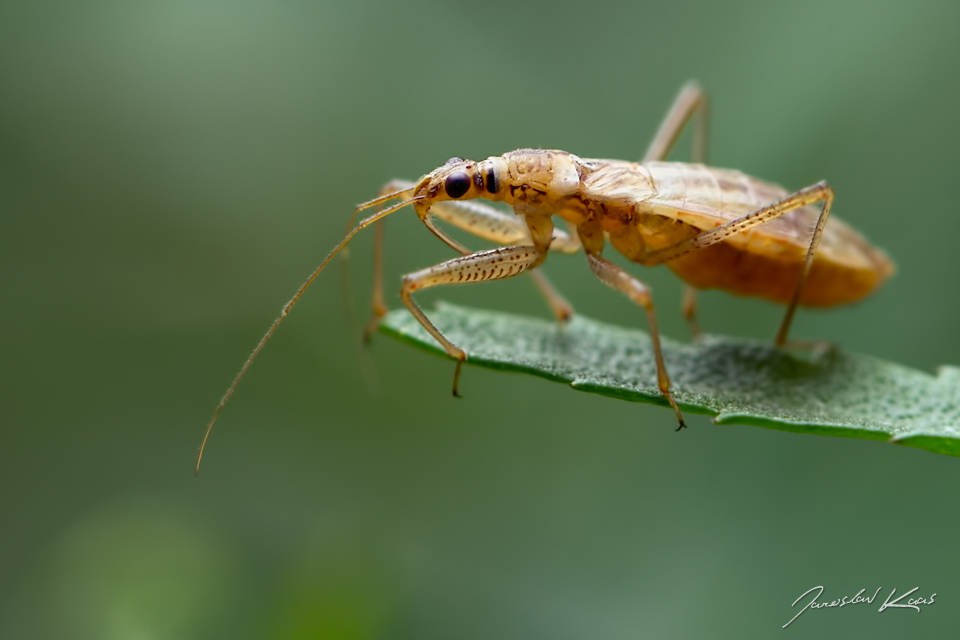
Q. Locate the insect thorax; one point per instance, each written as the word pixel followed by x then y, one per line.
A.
pixel 538 180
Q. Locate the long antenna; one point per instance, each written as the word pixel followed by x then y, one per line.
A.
pixel 286 309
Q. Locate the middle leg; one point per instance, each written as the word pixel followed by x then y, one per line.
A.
pixel 616 278
pixel 690 102
pixel 689 309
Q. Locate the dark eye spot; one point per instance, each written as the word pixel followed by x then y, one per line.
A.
pixel 457 184
pixel 492 185
pixel 453 160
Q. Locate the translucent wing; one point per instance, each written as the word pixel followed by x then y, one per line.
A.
pixel 616 183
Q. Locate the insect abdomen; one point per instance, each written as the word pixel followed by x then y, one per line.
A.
pixel 725 266
pixel 765 261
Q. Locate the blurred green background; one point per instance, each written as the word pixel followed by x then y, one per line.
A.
pixel 170 172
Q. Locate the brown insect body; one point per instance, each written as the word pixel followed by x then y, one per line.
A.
pixel 715 228
pixel 648 206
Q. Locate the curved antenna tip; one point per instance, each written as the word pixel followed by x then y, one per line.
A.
pixel 286 308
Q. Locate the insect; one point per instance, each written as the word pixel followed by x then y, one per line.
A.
pixel 715 228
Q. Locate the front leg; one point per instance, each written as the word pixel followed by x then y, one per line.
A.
pixel 483 221
pixel 494 264
pixel 490 223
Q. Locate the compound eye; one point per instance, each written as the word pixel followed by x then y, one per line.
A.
pixel 457 184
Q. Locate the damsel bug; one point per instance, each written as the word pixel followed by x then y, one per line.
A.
pixel 715 228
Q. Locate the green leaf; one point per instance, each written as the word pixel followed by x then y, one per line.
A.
pixel 735 380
